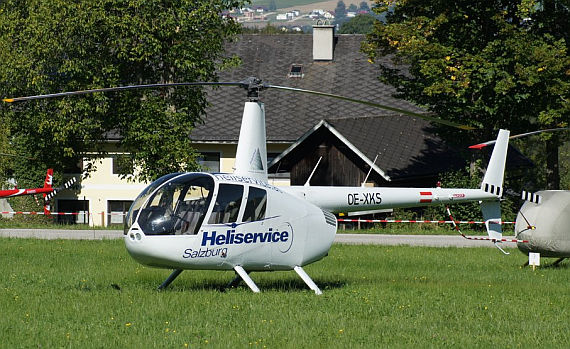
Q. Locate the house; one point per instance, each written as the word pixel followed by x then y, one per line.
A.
pixel 303 125
pixel 300 127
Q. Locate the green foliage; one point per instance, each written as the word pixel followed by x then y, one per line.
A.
pixel 360 24
pixel 340 12
pixel 565 166
pixel 272 5
pixel 63 293
pixel 54 46
pixel 7 156
pixel 500 64
pixel 269 30
pixel 364 6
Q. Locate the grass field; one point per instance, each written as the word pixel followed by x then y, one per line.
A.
pixel 65 294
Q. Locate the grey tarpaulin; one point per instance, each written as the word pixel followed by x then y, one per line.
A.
pixel 551 221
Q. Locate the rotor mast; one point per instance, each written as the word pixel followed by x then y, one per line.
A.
pixel 251 154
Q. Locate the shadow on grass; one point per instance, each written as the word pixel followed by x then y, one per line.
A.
pixel 283 285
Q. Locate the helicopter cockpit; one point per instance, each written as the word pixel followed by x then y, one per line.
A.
pixel 177 204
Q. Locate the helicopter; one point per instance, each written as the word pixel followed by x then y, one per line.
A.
pixel 239 221
pixel 48 191
pixel 543 220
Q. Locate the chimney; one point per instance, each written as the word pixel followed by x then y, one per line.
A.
pixel 323 42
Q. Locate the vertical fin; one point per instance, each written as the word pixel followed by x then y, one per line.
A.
pixel 493 184
pixel 251 155
pixel 48 182
pixel 493 179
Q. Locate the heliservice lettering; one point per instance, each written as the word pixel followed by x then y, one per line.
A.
pixel 233 238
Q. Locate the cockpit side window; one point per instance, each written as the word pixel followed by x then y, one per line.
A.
pixel 191 209
pixel 228 202
pixel 256 205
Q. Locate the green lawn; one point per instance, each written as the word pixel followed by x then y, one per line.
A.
pixel 65 294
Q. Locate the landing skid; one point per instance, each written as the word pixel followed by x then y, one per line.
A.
pixel 169 280
pixel 241 274
pixel 308 280
pixel 245 277
pixel 555 263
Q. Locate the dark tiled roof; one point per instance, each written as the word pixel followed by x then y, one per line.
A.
pixel 289 115
pixel 406 147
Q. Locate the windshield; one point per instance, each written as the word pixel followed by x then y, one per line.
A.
pixel 177 207
pixel 141 199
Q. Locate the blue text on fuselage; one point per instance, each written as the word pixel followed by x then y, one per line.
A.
pixel 233 238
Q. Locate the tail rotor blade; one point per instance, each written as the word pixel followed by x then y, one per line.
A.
pixel 483 145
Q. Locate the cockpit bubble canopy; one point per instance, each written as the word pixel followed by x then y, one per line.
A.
pixel 174 204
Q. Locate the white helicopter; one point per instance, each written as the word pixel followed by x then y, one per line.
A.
pixel 240 222
pixel 543 222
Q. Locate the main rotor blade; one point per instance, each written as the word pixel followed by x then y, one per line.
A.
pixel 253 85
pixel 120 88
pixel 482 145
pixel 16 156
pixel 373 104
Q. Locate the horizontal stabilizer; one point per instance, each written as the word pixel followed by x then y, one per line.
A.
pixel 531 197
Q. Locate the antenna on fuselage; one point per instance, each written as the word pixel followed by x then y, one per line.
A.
pixel 369 171
pixel 313 172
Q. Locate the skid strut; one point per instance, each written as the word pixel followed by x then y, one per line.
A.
pixel 245 277
pixel 308 280
pixel 171 278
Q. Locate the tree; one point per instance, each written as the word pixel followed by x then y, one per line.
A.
pixel 364 7
pixel 360 24
pixel 272 5
pixel 340 12
pixel 7 157
pixel 352 8
pixel 500 64
pixel 53 46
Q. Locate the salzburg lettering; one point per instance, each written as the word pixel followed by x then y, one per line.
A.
pixel 233 238
pixel 204 253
